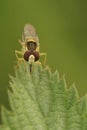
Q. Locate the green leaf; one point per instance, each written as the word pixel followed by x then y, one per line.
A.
pixel 40 100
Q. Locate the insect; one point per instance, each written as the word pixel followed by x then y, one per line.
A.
pixel 30 51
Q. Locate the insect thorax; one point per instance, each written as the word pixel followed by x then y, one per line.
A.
pixel 31 45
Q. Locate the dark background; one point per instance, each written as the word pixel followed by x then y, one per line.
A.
pixel 62 29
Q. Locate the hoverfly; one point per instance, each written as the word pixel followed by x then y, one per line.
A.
pixel 30 46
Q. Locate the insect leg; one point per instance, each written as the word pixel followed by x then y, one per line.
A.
pixel 20 53
pixel 45 55
pixel 22 43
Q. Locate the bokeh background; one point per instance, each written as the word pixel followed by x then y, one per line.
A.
pixel 62 29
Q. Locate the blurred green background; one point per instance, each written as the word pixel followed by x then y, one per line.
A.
pixel 62 29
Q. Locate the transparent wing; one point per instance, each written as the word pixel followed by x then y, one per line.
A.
pixel 30 33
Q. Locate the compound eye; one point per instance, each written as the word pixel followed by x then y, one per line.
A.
pixel 36 55
pixel 27 54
